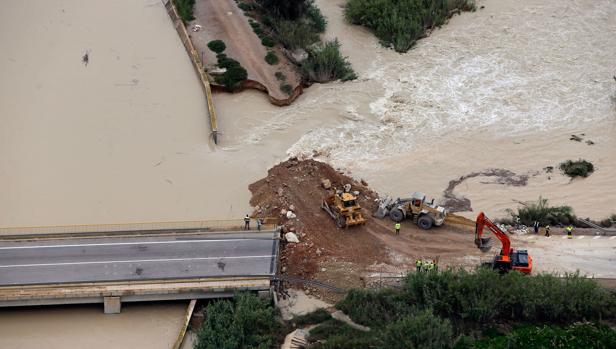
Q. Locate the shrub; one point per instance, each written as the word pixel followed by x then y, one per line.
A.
pixel 271 58
pixel 218 46
pixel 315 16
pixel 295 34
pixel 267 41
pixel 543 213
pixel 286 9
pixel 401 23
pixel 579 168
pixel 233 76
pixel 280 76
pixel 576 336
pixel 325 63
pixel 244 322
pixel 339 335
pixel 185 9
pixel 246 6
pixel 424 331
pixel 286 88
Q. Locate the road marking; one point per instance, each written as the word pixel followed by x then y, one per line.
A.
pixel 133 261
pixel 123 244
pixel 613 237
pixel 564 236
pixel 596 237
pixel 580 237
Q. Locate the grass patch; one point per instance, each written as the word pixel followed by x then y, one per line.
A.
pixel 271 58
pixel 400 23
pixel 185 9
pixel 326 63
pixel 315 317
pixel 218 46
pixel 295 34
pixel 541 211
pixel 579 168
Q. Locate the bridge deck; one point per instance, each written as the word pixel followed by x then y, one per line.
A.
pixel 85 270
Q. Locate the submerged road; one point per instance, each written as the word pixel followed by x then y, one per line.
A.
pixel 144 258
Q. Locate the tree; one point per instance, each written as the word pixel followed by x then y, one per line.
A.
pixel 286 9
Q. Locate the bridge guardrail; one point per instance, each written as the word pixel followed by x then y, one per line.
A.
pixel 211 225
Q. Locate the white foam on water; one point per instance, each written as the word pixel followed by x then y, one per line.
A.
pixel 544 66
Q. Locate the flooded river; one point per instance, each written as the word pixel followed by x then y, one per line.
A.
pixel 125 139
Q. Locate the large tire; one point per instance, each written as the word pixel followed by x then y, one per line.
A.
pixel 396 215
pixel 425 222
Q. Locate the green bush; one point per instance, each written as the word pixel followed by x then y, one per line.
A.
pixel 280 76
pixel 244 322
pixel 244 6
pixel 286 88
pixel 543 213
pixel 315 16
pixel 424 331
pixel 325 63
pixel 286 9
pixel 400 23
pixel 218 46
pixel 483 296
pixel 576 336
pixel 185 9
pixel 234 74
pixel 271 58
pixel 295 34
pixel 339 335
pixel 579 168
pixel 267 41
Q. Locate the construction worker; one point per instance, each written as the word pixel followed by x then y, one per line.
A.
pixel 435 264
pixel 536 227
pixel 397 227
pixel 418 263
pixel 259 223
pixel 569 230
pixel 247 222
pixel 547 230
pixel 429 266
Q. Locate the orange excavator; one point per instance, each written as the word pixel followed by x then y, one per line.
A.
pixel 508 258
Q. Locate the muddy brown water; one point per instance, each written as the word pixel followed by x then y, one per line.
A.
pixel 124 139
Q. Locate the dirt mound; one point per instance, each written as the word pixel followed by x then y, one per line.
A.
pixel 347 257
pixel 296 185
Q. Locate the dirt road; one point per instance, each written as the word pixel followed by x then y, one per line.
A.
pixel 223 20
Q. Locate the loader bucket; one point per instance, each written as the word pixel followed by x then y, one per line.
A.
pixel 483 244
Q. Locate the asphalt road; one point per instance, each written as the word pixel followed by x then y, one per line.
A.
pixel 115 259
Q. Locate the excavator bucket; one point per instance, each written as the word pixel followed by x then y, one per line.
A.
pixel 483 244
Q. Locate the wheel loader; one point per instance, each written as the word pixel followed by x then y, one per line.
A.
pixel 344 209
pixel 424 214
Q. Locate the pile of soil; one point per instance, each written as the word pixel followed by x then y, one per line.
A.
pixel 355 256
pixel 296 185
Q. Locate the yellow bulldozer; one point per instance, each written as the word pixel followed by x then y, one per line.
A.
pixel 344 209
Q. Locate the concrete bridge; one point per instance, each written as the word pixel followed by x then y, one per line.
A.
pixel 135 265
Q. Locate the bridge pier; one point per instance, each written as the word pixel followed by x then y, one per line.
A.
pixel 113 305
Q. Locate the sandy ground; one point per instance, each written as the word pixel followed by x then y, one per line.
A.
pixel 138 326
pixel 223 20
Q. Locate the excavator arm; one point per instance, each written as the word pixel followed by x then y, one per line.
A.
pixel 481 242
